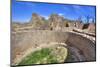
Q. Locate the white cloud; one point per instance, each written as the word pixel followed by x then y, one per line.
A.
pixel 46 17
pixel 77 6
pixel 61 14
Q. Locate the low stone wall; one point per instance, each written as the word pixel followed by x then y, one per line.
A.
pixel 22 41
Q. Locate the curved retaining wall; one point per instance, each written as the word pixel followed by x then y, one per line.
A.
pixel 24 40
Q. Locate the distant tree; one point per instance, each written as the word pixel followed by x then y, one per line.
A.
pixel 80 19
pixel 90 19
pixel 93 20
pixel 87 18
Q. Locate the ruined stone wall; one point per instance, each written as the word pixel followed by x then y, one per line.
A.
pixel 92 27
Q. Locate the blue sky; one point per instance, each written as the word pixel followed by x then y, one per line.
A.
pixel 22 11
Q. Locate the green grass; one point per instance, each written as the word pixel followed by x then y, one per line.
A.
pixel 42 56
pixel 55 54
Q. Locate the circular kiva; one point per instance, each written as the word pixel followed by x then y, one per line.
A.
pixel 25 42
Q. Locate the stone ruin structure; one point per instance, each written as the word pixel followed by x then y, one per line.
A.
pixel 39 33
pixel 55 22
pixel 92 27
